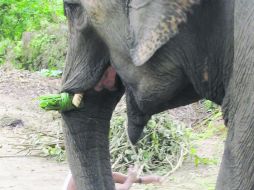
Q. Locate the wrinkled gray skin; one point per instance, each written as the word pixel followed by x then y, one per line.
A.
pixel 211 55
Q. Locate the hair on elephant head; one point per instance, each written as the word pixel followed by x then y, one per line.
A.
pixel 163 54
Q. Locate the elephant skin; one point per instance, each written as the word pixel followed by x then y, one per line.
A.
pixel 163 54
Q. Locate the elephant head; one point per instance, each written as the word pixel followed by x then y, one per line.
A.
pixel 140 47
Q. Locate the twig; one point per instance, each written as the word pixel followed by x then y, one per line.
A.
pixel 178 165
pixel 117 161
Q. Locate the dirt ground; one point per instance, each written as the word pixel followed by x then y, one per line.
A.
pixel 18 91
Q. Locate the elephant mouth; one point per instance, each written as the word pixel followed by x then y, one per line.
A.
pixel 108 80
pixel 90 82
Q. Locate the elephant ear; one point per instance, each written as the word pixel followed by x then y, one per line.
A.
pixel 153 23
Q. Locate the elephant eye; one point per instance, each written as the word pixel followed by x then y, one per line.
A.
pixel 71 9
pixel 72 6
pixel 76 15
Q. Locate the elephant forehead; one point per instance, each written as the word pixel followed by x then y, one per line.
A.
pixel 96 10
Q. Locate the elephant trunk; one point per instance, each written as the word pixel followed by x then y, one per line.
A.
pixel 88 154
pixel 86 134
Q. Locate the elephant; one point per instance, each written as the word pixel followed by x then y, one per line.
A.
pixel 161 54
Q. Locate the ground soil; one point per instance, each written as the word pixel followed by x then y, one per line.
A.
pixel 22 170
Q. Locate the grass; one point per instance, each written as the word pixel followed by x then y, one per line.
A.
pixel 163 146
pixel 51 73
pixel 198 160
pixel 211 126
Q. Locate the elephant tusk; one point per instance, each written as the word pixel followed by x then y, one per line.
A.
pixel 77 99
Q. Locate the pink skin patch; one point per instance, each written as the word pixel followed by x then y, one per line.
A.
pixel 107 81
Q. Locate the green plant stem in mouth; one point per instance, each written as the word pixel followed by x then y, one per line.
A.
pixel 57 102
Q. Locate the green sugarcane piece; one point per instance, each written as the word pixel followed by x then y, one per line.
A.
pixel 58 102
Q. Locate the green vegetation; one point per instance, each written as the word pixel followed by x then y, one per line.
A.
pixel 212 125
pixel 31 34
pixel 46 50
pixel 19 16
pixel 57 102
pixel 162 147
pixel 55 151
pixel 210 106
pixel 3 50
pixel 198 160
pixel 51 73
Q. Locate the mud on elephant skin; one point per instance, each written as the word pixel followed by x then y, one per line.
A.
pixel 162 54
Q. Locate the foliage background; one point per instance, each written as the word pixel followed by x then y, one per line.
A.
pixel 38 18
pixel 18 16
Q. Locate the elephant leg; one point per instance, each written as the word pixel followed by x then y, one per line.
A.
pixel 237 168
